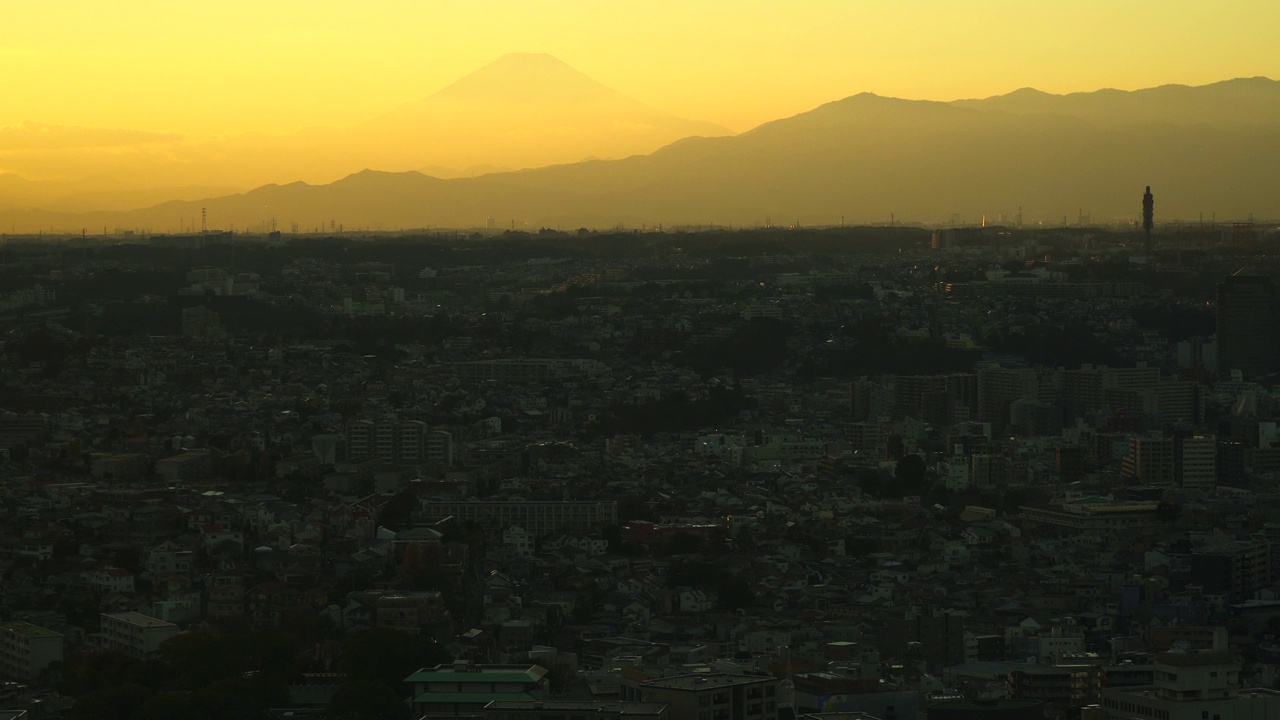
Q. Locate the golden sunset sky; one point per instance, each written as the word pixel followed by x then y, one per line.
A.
pixel 254 65
pixel 114 105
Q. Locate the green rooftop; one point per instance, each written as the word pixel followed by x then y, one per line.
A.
pixel 1092 500
pixel 29 630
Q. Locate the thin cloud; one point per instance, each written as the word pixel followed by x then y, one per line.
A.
pixel 42 136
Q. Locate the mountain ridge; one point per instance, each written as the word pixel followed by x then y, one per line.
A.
pixel 862 157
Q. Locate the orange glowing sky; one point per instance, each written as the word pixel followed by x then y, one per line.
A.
pixel 240 65
pixel 114 96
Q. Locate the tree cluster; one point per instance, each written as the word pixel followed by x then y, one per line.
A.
pixel 238 674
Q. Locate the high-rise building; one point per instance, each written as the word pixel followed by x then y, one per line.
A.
pixel 1090 388
pixel 1197 463
pixel 1271 533
pixel 439 447
pixel 202 323
pixel 999 387
pixel 939 633
pixel 1150 461
pixel 1240 567
pixel 1248 339
pixel 869 400
pixel 389 438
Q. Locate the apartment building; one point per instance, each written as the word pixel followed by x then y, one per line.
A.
pixel 463 689
pixel 573 710
pixel 1097 515
pixel 536 517
pixel 134 634
pixel 708 696
pixel 1150 461
pixel 390 439
pixel 26 649
pixel 1241 567
pixel 1198 685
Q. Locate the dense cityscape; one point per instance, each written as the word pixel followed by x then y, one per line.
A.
pixel 862 473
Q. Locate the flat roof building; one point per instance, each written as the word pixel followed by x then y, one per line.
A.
pixel 573 710
pixel 463 689
pixel 26 649
pixel 134 634
pixel 1193 686
pixel 535 516
pixel 709 696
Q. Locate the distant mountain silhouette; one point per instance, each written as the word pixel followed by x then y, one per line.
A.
pixel 861 159
pixel 92 194
pixel 1243 101
pixel 522 110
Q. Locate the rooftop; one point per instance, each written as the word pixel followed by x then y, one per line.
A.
pixel 702 681
pixel 583 706
pixel 1197 659
pixel 138 619
pixel 27 629
pixel 468 698
pixel 479 673
pixel 1001 703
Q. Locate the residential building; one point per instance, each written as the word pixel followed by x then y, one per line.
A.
pixel 573 710
pixel 439 447
pixel 708 696
pixel 463 689
pixel 27 649
pixel 985 709
pixel 1150 461
pixel 999 387
pixel 1197 460
pixel 536 517
pixel 134 634
pixel 390 439
pixel 1100 515
pixel 1193 686
pixel 187 466
pixel 1247 326
pixel 1240 567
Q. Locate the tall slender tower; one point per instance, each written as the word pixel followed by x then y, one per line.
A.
pixel 1148 215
